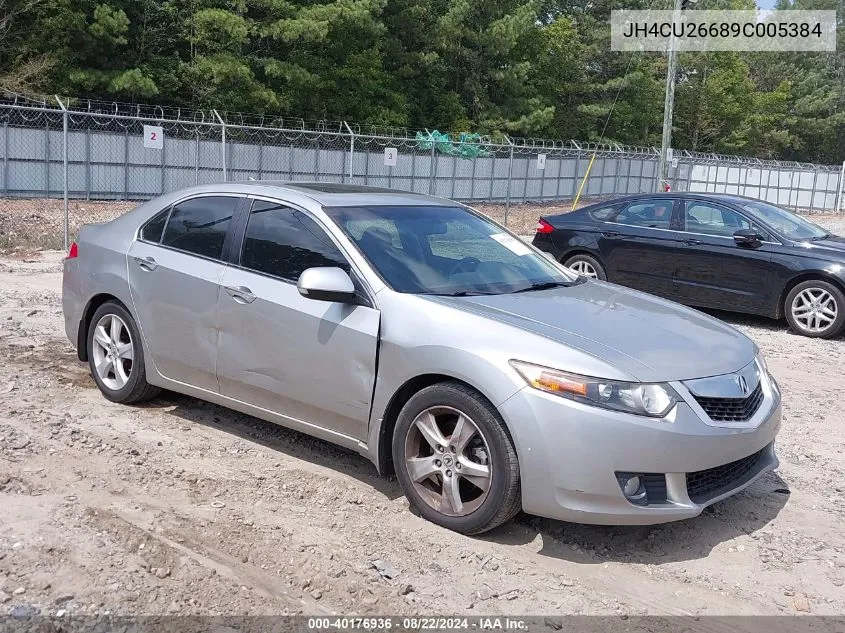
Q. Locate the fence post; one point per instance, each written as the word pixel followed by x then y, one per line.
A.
pixel 6 157
pixel 813 194
pixel 223 143
pixel 431 171
pixel 352 153
pixel 510 175
pixel 840 192
pixel 64 170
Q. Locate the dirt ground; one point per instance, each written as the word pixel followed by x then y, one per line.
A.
pixel 183 507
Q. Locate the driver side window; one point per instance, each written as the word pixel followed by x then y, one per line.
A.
pixel 283 242
pixel 711 219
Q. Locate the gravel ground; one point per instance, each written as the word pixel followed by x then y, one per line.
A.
pixel 183 507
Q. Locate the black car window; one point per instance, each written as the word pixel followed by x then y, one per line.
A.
pixel 602 213
pixel 711 219
pixel 152 230
pixel 199 225
pixel 283 242
pixel 648 213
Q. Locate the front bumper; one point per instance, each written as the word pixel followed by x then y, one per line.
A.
pixel 570 453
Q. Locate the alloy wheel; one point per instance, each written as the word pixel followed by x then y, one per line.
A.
pixel 113 352
pixel 814 309
pixel 448 460
pixel 584 268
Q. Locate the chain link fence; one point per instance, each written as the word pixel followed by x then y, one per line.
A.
pixel 88 151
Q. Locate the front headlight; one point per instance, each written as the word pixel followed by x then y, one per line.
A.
pixel 761 362
pixel 651 399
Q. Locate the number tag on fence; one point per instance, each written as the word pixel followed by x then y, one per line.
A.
pixel 153 137
pixel 541 161
pixel 390 155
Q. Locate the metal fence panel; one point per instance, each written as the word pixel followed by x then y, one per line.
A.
pixel 107 159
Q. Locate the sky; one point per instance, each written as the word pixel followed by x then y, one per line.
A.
pixel 766 4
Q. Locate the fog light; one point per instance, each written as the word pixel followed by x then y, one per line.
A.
pixel 632 486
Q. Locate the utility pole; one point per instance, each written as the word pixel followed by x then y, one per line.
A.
pixel 669 103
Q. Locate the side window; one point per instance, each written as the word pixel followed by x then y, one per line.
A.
pixel 602 213
pixel 710 219
pixel 152 230
pixel 199 225
pixel 647 213
pixel 283 242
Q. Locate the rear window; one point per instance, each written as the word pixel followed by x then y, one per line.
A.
pixel 199 225
pixel 152 230
pixel 602 213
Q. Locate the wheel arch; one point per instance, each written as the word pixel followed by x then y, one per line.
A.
pixel 817 275
pixel 580 250
pixel 400 397
pixel 85 322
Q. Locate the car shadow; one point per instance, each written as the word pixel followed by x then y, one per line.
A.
pixel 744 513
pixel 741 514
pixel 275 438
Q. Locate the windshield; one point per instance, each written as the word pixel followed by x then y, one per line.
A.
pixel 445 250
pixel 784 222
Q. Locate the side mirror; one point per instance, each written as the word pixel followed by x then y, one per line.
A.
pixel 747 237
pixel 326 284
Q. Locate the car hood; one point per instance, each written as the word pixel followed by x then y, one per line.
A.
pixel 833 246
pixel 651 339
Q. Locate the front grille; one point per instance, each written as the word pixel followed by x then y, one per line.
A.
pixel 732 409
pixel 707 484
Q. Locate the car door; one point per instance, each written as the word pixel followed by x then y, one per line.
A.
pixel 312 361
pixel 175 269
pixel 713 271
pixel 638 245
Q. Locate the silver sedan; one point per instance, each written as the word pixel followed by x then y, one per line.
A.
pixel 432 341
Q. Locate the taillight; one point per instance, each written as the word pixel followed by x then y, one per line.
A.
pixel 73 252
pixel 544 227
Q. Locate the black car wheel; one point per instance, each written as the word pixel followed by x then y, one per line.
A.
pixel 455 459
pixel 587 266
pixel 815 308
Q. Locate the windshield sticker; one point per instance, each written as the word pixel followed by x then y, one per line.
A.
pixel 512 244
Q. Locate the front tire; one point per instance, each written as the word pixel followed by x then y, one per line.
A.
pixel 455 459
pixel 815 308
pixel 116 356
pixel 587 266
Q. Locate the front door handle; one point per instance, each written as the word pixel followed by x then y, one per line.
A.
pixel 610 234
pixel 692 242
pixel 146 263
pixel 241 294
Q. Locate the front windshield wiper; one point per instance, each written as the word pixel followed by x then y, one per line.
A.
pixel 545 285
pixel 458 293
pixel 820 237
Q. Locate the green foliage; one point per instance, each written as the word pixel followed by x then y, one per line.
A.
pixel 517 67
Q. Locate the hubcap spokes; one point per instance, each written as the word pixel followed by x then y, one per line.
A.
pixel 814 309
pixel 113 352
pixel 584 268
pixel 447 458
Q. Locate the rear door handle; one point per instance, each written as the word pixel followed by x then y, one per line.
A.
pixel 146 263
pixel 692 242
pixel 610 234
pixel 241 294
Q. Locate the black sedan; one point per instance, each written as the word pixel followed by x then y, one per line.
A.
pixel 709 250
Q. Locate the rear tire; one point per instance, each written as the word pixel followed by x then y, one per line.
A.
pixel 586 265
pixel 116 356
pixel 815 308
pixel 455 459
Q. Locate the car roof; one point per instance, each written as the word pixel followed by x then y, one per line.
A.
pixel 721 197
pixel 331 194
